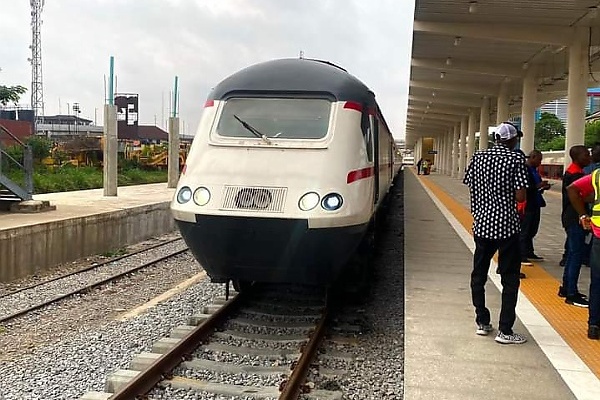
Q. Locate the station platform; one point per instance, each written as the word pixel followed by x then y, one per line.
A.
pixel 444 358
pixel 84 223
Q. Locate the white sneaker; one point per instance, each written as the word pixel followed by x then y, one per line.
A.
pixel 484 329
pixel 514 338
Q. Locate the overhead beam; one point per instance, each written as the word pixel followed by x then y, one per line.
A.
pixel 418 121
pixel 459 102
pixel 437 108
pixel 476 67
pixel 542 34
pixel 439 117
pixel 457 87
pixel 437 111
pixel 431 123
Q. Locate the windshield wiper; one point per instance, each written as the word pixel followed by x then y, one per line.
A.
pixel 252 129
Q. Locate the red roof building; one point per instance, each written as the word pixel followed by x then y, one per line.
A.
pixel 20 129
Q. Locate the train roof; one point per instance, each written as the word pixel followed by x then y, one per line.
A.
pixel 295 75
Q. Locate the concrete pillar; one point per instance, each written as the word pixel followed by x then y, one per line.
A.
pixel 484 123
pixel 462 153
pixel 455 139
pixel 577 91
pixel 173 163
pixel 110 150
pixel 471 132
pixel 449 148
pixel 443 145
pixel 528 111
pixel 502 105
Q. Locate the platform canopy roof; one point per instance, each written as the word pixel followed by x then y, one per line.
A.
pixel 464 50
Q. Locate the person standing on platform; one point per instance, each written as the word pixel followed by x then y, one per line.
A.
pixel 497 180
pixel 419 163
pixel 576 246
pixel 534 203
pixel 584 188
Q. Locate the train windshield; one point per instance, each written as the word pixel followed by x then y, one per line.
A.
pixel 275 118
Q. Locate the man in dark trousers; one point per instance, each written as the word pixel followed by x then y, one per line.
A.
pixel 497 180
pixel 535 201
pixel 576 246
pixel 419 163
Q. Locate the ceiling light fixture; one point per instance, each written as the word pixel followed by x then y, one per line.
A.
pixel 457 40
pixel 442 75
pixel 560 49
pixel 525 65
pixel 448 61
pixel 472 7
pixel 433 94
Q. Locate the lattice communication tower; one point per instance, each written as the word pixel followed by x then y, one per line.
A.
pixel 37 87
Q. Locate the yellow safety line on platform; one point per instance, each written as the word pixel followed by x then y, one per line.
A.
pixel 162 297
pixel 541 289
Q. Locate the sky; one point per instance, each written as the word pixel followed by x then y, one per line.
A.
pixel 202 42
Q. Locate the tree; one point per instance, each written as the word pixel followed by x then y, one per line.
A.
pixel 547 130
pixel 11 94
pixel 40 147
pixel 592 133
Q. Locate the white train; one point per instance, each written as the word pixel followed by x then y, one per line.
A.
pixel 290 164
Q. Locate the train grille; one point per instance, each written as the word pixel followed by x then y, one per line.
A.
pixel 264 199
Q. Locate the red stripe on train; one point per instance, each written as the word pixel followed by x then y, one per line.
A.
pixel 351 105
pixel 359 174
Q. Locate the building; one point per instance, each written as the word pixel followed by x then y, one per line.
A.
pixel 559 107
pixel 19 129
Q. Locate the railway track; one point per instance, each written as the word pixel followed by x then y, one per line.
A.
pixel 242 347
pixel 25 300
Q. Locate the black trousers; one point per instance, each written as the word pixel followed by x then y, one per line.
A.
pixel 529 228
pixel 509 267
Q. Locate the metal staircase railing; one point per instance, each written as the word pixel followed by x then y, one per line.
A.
pixel 22 192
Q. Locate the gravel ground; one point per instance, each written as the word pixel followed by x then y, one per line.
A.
pixel 378 369
pixel 40 294
pixel 180 394
pixel 69 349
pixel 61 269
pixel 238 359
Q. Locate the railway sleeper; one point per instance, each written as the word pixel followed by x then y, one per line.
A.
pixel 257 392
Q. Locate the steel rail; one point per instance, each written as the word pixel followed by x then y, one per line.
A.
pixel 88 268
pixel 88 287
pixel 146 380
pixel 293 387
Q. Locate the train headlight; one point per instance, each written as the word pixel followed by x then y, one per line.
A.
pixel 184 195
pixel 309 201
pixel 201 196
pixel 332 202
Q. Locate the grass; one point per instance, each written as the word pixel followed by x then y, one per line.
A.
pixel 115 253
pixel 69 178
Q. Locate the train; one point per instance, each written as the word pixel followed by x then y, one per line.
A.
pixel 287 175
pixel 552 164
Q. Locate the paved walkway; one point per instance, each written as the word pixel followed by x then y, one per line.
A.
pixel 444 358
pixel 83 203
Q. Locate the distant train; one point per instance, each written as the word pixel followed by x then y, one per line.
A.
pixel 552 164
pixel 290 165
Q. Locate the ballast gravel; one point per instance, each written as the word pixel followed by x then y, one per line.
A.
pixel 48 291
pixel 79 357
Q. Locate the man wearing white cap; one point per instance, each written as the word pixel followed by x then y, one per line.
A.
pixel 497 180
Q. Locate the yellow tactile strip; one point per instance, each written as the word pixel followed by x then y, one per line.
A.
pixel 541 289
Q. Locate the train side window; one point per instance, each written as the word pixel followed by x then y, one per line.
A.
pixel 367 124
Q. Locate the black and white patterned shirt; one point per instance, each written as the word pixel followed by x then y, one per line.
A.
pixel 493 176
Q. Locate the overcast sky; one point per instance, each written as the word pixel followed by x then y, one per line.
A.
pixel 202 42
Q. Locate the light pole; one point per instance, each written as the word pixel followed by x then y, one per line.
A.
pixel 76 111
